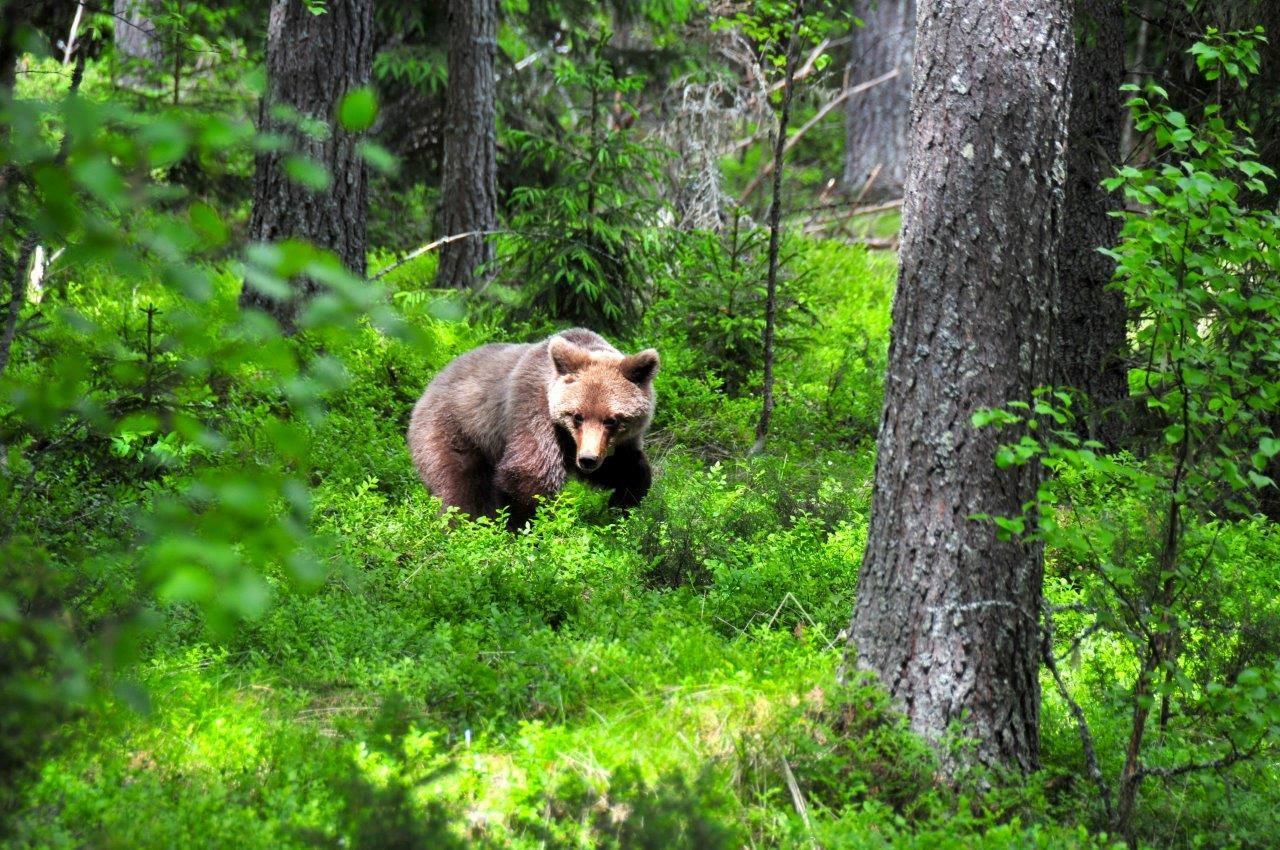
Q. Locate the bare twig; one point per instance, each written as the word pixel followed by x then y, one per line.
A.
pixel 869 182
pixel 837 100
pixel 811 61
pixel 812 122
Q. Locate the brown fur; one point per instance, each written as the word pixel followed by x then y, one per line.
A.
pixel 504 424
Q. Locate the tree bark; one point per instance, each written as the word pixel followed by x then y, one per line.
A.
pixel 947 615
pixel 13 16
pixel 312 62
pixel 469 202
pixel 876 120
pixel 1091 315
pixel 139 51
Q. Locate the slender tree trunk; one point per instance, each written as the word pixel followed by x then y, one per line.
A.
pixel 775 231
pixel 1091 315
pixel 312 62
pixel 139 51
pixel 947 615
pixel 469 202
pixel 876 120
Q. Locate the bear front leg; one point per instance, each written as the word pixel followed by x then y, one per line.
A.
pixel 627 474
pixel 532 466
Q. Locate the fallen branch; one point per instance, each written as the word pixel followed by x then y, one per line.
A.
pixel 841 220
pixel 842 210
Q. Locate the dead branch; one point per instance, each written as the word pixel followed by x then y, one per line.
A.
pixel 812 122
pixel 811 60
pixel 1082 725
pixel 428 248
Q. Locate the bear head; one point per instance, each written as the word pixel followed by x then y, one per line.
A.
pixel 601 398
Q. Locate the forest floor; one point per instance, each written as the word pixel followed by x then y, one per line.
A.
pixel 661 679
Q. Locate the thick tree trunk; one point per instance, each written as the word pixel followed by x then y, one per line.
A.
pixel 1091 316
pixel 469 202
pixel 876 120
pixel 947 615
pixel 312 62
pixel 139 53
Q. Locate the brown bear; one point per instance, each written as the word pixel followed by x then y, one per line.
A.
pixel 503 424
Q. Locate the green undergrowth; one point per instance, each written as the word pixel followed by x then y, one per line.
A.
pixel 662 679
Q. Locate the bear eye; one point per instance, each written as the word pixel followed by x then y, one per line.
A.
pixel 610 422
pixel 577 419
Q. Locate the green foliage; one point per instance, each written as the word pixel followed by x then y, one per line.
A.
pixel 231 616
pixel 768 25
pixel 199 54
pixel 832 340
pixel 121 395
pixel 584 247
pixel 1148 551
pixel 717 291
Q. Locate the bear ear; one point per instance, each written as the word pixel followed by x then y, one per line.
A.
pixel 640 368
pixel 566 356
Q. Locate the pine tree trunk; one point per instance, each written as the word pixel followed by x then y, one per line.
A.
pixel 947 615
pixel 139 53
pixel 312 62
pixel 876 120
pixel 1091 316
pixel 468 195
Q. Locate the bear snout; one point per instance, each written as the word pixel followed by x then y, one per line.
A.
pixel 588 463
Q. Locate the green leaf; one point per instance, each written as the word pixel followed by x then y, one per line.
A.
pixel 358 110
pixel 1260 481
pixel 378 157
pixel 307 172
pixel 206 222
